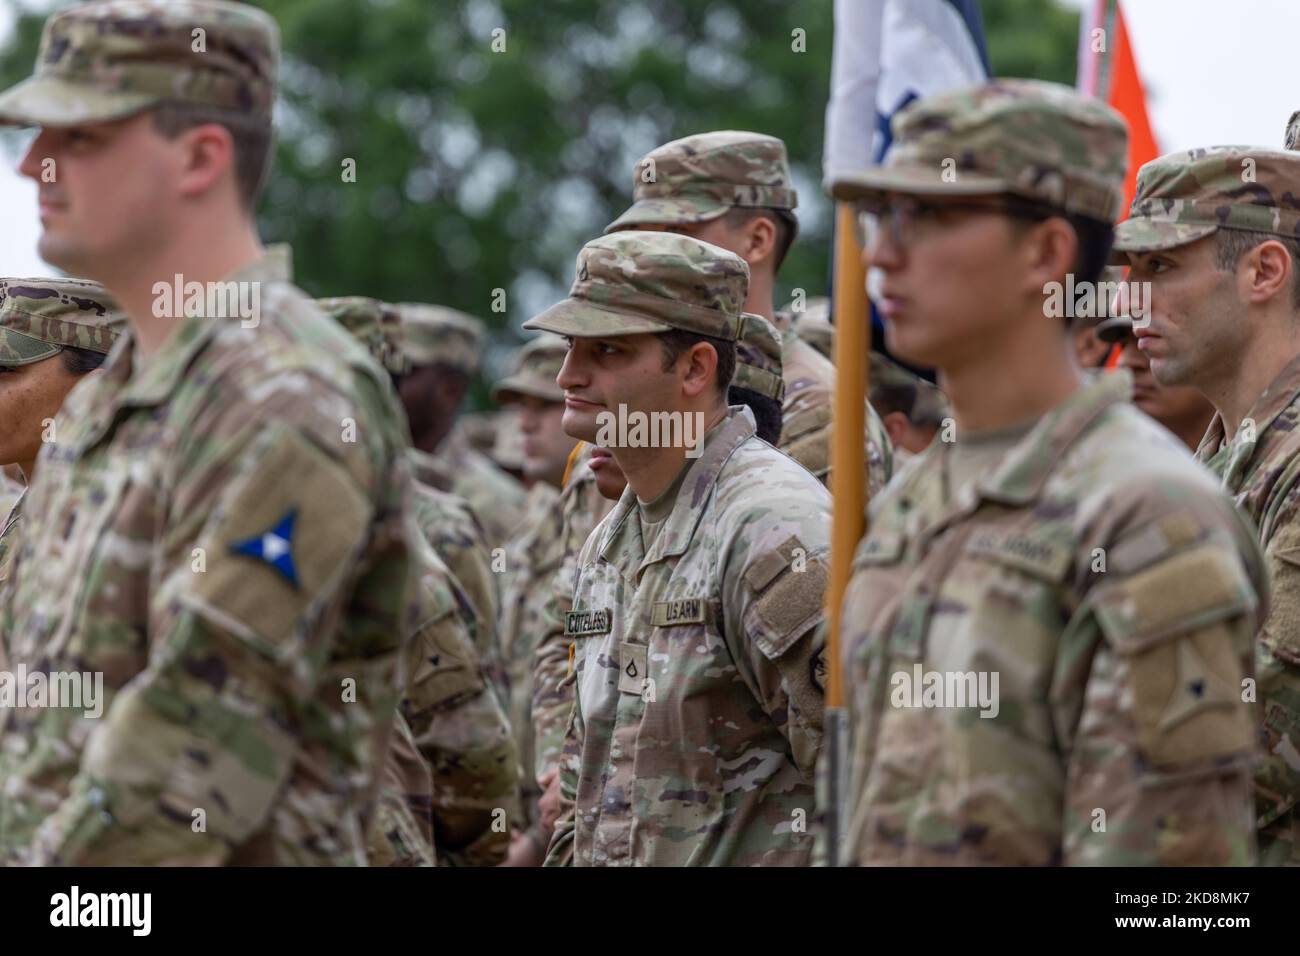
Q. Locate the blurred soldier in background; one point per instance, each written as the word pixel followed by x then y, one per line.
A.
pixel 530 393
pixel 452 765
pixel 445 520
pixel 53 332
pixel 733 189
pixel 1180 408
pixel 912 409
pixel 443 348
pixel 812 324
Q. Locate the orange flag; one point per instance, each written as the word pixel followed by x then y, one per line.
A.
pixel 1108 70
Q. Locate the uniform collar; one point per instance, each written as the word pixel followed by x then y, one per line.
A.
pixel 429 469
pixel 1272 402
pixel 623 545
pixel 158 380
pixel 1020 476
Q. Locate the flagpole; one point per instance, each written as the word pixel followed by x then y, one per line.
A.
pixel 848 490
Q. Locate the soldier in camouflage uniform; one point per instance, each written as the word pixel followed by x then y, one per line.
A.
pixel 911 408
pixel 443 347
pixel 1049 622
pixel 1216 234
pixel 582 505
pixel 698 596
pixel 758 382
pixel 812 323
pixel 595 483
pixel 733 189
pixel 52 332
pixel 1180 408
pixel 532 558
pixel 445 520
pixel 218 529
pixel 452 764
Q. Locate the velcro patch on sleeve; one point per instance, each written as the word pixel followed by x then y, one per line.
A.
pixel 879 548
pixel 765 568
pixel 1189 590
pixel 1177 627
pixel 789 607
pixel 285 533
pixel 1187 699
pixel 1169 534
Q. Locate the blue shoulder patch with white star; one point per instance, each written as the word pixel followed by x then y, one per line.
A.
pixel 274 547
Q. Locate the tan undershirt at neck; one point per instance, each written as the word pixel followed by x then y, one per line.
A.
pixel 977 453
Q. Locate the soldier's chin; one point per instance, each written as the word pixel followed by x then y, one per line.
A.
pixel 579 425
pixel 58 252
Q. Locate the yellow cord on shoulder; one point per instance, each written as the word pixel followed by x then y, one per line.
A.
pixel 573 457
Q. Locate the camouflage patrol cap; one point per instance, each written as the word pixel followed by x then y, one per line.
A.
pixel 758 357
pixel 1038 141
pixel 534 372
pixel 437 335
pixel 1186 196
pixel 375 324
pixel 635 282
pixel 699 178
pixel 110 60
pixel 40 317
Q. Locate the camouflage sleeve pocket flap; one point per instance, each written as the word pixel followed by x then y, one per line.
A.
pixel 881 547
pixel 791 606
pixel 1189 591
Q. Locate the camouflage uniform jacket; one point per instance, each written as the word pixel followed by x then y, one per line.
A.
pixel 458 724
pixel 496 498
pixel 1260 467
pixel 807 412
pixel 454 531
pixel 1113 591
pixel 221 536
pixel 531 564
pixel 8 541
pixel 698 711
pixel 581 508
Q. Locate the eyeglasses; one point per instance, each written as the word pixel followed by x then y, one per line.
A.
pixel 906 215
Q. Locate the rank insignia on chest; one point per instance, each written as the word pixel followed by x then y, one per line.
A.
pixel 681 611
pixel 587 623
pixel 274 547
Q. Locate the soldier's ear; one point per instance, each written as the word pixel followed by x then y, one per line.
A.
pixel 698 366
pixel 760 237
pixel 207 158
pixel 1266 272
pixel 1050 251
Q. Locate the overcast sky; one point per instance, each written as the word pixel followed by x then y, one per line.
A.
pixel 1215 71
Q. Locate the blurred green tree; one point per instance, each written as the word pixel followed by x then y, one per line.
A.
pixel 439 151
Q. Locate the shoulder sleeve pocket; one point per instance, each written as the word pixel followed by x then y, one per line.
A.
pixel 1183 631
pixel 285 534
pixel 791 589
